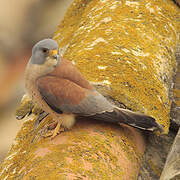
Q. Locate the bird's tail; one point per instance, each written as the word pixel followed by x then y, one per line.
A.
pixel 138 120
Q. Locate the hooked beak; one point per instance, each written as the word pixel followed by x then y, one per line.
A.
pixel 55 55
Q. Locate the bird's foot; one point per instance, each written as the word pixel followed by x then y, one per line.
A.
pixel 54 132
pixel 39 119
pixel 57 130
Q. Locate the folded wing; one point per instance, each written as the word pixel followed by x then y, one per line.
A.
pixel 65 96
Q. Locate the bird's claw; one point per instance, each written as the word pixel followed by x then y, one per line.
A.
pixel 52 133
pixel 39 119
pixel 57 130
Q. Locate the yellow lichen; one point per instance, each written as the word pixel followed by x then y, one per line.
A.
pixel 127 46
pixel 132 42
pixel 36 110
pixel 101 148
pixel 177 96
pixel 25 107
pixel 176 91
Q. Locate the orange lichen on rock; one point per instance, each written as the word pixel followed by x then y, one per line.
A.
pixel 128 46
pixel 90 150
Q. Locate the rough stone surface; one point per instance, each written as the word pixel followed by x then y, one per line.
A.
pixel 172 167
pixel 175 109
pixel 177 2
pixel 127 46
pixel 90 150
pixel 155 156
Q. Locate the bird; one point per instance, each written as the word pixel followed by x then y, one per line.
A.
pixel 56 86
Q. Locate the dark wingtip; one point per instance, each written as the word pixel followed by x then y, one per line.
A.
pixel 156 127
pixel 140 121
pixel 160 128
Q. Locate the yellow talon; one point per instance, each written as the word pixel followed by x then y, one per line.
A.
pixel 56 130
pixel 53 133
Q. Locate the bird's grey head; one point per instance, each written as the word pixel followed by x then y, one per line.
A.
pixel 44 50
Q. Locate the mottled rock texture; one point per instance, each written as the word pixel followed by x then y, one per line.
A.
pixel 90 150
pixel 126 48
pixel 172 167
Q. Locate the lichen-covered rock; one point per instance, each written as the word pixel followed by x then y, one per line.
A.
pixel 155 156
pixel 126 46
pixel 158 148
pixel 172 167
pixel 25 107
pixel 90 150
pixel 175 110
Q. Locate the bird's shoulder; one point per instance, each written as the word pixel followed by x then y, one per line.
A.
pixel 68 71
pixel 61 90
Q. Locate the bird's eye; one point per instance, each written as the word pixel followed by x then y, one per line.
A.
pixel 45 50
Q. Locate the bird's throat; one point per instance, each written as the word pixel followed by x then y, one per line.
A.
pixel 32 73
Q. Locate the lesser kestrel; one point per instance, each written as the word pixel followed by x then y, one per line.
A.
pixel 56 86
